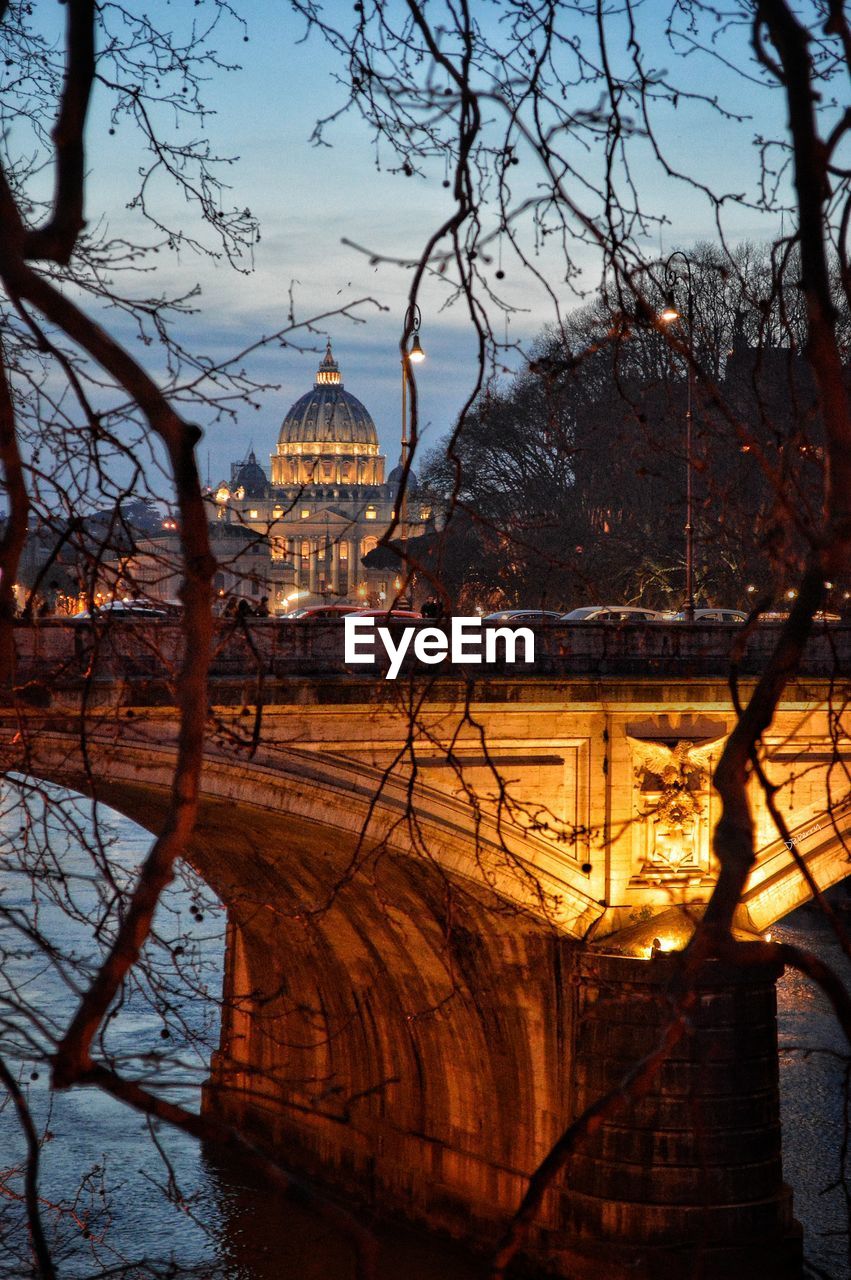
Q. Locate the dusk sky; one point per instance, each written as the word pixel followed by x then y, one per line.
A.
pixel 309 198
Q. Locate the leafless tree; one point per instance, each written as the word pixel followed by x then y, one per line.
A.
pixel 532 115
pixel 540 115
pixel 85 430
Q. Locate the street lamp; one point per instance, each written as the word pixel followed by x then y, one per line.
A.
pixel 668 315
pixel 669 312
pixel 412 355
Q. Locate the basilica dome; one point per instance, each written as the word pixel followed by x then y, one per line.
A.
pixel 395 478
pixel 328 415
pixel 251 478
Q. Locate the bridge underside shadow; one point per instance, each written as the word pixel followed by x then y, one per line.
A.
pixel 401 1036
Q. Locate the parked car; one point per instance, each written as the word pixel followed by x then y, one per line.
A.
pixel 712 615
pixel 124 611
pixel 780 615
pixel 319 612
pixel 401 615
pixel 517 617
pixel 612 613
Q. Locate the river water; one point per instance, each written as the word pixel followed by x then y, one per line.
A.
pixel 122 1201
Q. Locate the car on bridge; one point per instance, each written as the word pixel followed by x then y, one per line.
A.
pixel 712 615
pixel 394 615
pixel 125 611
pixel 521 617
pixel 780 615
pixel 318 613
pixel 612 613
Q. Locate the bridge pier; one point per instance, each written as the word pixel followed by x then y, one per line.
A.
pixel 685 1181
pixel 693 1169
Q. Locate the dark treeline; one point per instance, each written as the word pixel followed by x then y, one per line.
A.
pixel 567 484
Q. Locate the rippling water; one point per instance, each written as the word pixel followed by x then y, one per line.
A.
pixel 813 1068
pixel 112 1201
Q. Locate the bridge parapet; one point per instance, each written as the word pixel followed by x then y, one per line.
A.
pixel 63 652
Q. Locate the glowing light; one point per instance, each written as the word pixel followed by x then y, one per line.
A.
pixel 670 311
pixel 669 942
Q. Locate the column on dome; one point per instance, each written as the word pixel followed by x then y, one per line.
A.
pixel 354 564
pixel 312 565
pixel 324 572
pixel 335 566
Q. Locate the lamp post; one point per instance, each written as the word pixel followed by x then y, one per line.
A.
pixel 413 355
pixel 669 314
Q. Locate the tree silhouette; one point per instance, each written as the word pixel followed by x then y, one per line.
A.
pixel 553 128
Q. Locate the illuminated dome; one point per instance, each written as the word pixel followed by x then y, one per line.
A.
pixel 328 415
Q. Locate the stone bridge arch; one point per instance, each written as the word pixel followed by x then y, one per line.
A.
pixel 354 976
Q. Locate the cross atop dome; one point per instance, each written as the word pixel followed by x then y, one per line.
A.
pixel 329 371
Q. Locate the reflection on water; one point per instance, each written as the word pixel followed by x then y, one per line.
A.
pixel 263 1238
pixel 104 1188
pixel 111 1201
pixel 812 1092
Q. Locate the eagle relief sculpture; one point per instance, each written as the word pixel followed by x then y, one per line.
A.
pixel 672 783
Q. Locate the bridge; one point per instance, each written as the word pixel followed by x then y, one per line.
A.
pixel 443 894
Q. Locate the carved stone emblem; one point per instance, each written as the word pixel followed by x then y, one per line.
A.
pixel 671 832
